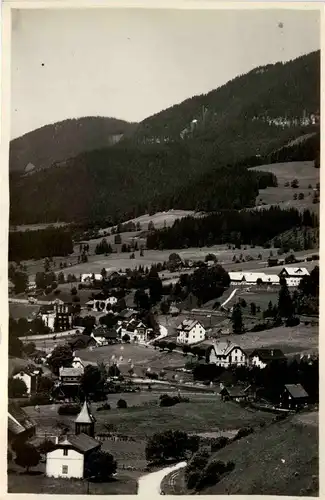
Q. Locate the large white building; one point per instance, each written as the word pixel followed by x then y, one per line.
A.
pixel 250 278
pixel 190 332
pixel 68 458
pixel 226 353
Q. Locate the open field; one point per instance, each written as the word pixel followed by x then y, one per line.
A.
pixel 204 413
pixel 123 484
pixel 292 340
pixel 303 171
pixel 280 459
pixel 140 356
pixel 160 219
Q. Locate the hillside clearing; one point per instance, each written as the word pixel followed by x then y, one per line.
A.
pixel 281 459
pixel 306 175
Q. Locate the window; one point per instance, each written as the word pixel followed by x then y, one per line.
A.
pixel 65 452
pixel 64 469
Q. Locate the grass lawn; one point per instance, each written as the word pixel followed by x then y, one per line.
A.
pixel 297 339
pixel 202 413
pixel 138 355
pixel 281 459
pixel 123 484
pixel 303 171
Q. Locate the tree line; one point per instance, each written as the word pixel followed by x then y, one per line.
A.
pixel 49 242
pixel 230 226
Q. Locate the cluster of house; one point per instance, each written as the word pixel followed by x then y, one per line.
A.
pixel 292 275
pixel 70 452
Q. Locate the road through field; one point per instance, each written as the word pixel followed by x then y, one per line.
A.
pixel 150 483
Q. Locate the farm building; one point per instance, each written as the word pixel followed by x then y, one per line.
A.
pixel 293 272
pixel 293 396
pixel 104 335
pixel 70 376
pixel 247 278
pixel 71 452
pixel 30 377
pixel 263 357
pixel 81 342
pixel 226 353
pixel 233 394
pixel 190 332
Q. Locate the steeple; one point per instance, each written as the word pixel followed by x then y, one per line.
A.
pixel 85 421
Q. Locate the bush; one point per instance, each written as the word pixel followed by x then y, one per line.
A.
pixel 166 400
pixel 69 409
pixel 212 472
pixel 105 406
pixel 121 403
pixel 46 446
pixel 294 321
pixel 243 432
pixel 259 327
pixel 193 479
pixel 197 462
pixel 219 443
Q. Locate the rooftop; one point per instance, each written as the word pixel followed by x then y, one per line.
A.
pixel 296 391
pixel 82 442
pixel 18 420
pixel 85 416
pixel 70 372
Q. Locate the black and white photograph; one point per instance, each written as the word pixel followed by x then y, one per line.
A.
pixel 163 250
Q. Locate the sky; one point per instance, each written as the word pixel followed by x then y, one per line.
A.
pixel 130 64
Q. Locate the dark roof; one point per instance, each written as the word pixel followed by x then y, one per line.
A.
pixel 127 313
pixel 108 333
pixel 296 391
pixel 46 308
pixel 82 442
pixel 233 391
pixel 83 340
pixel 18 420
pixel 268 354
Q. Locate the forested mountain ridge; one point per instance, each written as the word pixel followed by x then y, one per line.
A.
pixel 202 170
pixel 284 95
pixel 57 142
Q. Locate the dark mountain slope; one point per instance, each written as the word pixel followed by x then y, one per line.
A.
pixel 290 91
pixel 187 170
pixel 62 140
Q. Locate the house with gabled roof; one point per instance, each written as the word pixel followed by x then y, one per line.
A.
pixel 293 272
pixel 69 457
pixel 226 353
pixel 190 332
pixel 104 335
pixel 293 397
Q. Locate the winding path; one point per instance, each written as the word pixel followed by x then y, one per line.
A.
pixel 229 298
pixel 150 483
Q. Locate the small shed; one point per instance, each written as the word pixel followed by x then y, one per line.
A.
pixel 233 394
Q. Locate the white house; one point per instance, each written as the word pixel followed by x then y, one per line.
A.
pixel 263 357
pixel 70 453
pixel 77 363
pixel 68 458
pixel 190 332
pixel 137 331
pixel 30 378
pixel 101 304
pixel 226 353
pixel 88 277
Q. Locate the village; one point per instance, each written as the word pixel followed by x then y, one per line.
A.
pixel 98 350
